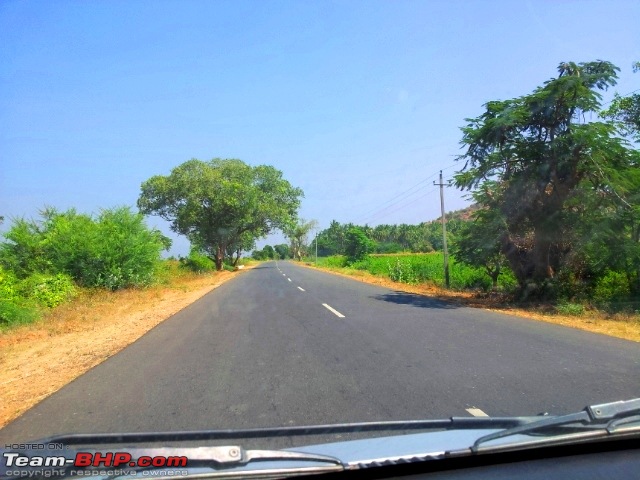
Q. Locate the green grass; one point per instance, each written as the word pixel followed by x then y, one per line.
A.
pixel 16 312
pixel 423 268
pixel 573 309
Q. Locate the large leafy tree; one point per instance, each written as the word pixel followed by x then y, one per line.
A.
pixel 535 156
pixel 331 241
pixel 297 234
pixel 282 251
pixel 221 203
pixel 357 244
pixel 618 239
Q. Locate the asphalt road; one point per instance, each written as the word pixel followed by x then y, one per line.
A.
pixel 263 350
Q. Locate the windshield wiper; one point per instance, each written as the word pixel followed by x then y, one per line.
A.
pixel 292 431
pixel 605 419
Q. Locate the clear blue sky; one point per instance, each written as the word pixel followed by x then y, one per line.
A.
pixel 356 102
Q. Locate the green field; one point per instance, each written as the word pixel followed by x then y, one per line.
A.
pixel 423 268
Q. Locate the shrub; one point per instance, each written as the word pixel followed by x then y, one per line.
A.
pixel 48 290
pixel 115 250
pixel 8 285
pixel 338 261
pixel 566 308
pixel 197 262
pixel 612 288
pixel 13 311
pixel 357 245
pixel 24 253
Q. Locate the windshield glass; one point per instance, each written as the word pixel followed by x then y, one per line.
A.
pixel 236 215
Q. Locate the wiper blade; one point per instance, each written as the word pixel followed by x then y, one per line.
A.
pixel 607 417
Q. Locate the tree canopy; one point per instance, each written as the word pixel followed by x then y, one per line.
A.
pixel 357 245
pixel 297 234
pixel 539 160
pixel 221 203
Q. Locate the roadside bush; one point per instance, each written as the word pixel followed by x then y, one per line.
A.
pixel 14 312
pixel 115 250
pixel 611 289
pixel 464 277
pixel 14 309
pixel 8 284
pixel 337 261
pixel 24 252
pixel 197 262
pixel 357 245
pixel 48 290
pixel 566 308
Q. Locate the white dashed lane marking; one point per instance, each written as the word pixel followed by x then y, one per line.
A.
pixel 476 412
pixel 301 289
pixel 333 310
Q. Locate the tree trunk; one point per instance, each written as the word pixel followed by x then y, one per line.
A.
pixel 535 267
pixel 495 273
pixel 220 257
pixel 541 269
pixel 516 259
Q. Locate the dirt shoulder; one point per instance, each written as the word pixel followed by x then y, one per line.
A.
pixel 37 360
pixel 616 325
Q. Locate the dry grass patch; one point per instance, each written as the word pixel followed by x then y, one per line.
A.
pixel 626 326
pixel 38 359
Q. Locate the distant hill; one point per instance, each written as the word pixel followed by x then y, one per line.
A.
pixel 463 214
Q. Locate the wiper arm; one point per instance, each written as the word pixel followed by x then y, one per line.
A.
pixel 233 455
pixel 607 416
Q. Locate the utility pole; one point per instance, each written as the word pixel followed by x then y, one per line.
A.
pixel 316 247
pixel 444 232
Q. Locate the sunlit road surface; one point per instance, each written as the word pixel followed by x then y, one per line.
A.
pixel 286 345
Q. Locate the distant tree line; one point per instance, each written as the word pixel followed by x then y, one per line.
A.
pixel 277 252
pixel 421 238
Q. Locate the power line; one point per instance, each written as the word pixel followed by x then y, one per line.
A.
pixel 402 196
pixel 400 207
pixel 621 96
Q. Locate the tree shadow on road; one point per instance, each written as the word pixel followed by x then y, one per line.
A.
pixel 404 298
